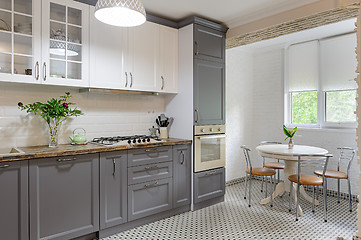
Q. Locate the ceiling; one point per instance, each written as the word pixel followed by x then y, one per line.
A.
pixel 231 13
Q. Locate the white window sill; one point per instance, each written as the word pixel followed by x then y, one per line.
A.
pixel 336 130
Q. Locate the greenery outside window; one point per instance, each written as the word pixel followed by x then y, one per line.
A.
pixel 304 107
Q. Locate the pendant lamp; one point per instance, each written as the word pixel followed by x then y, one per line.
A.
pixel 121 13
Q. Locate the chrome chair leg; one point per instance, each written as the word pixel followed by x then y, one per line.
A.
pixel 245 188
pixel 325 200
pixel 271 189
pixel 266 192
pixel 349 194
pixel 262 184
pixel 291 186
pixel 317 192
pixel 249 196
pixel 338 190
pixel 297 200
pixel 313 199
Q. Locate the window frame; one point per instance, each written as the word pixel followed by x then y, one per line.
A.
pixel 321 101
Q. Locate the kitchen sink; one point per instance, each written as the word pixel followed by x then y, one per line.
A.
pixel 10 151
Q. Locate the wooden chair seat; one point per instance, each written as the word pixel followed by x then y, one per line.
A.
pixel 261 171
pixel 275 165
pixel 306 179
pixel 332 174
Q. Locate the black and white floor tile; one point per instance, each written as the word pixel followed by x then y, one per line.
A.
pixel 233 219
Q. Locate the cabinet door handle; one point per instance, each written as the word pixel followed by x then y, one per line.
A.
pixel 37 70
pixel 131 79
pixel 197 115
pixel 197 48
pixel 151 150
pixel 44 71
pixel 66 159
pixel 211 173
pixel 5 166
pixel 153 167
pixel 183 157
pixel 126 79
pixel 151 185
pixel 114 167
pixel 162 82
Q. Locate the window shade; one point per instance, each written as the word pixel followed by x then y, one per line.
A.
pixel 303 66
pixel 339 62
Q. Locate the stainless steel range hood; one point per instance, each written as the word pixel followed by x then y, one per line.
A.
pixel 116 91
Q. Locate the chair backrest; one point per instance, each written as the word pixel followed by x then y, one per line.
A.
pixel 346 154
pixel 313 161
pixel 268 142
pixel 246 156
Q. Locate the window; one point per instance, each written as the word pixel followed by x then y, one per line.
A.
pixel 320 86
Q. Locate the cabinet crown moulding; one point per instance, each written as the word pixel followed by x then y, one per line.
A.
pixel 116 91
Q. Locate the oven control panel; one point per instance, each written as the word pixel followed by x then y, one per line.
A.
pixel 209 129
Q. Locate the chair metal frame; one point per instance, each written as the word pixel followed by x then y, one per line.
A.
pixel 249 166
pixel 310 162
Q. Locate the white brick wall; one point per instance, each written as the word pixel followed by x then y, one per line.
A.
pixel 104 114
pixel 261 91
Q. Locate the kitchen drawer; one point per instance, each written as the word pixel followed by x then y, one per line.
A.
pixel 209 184
pixel 149 155
pixel 149 172
pixel 149 198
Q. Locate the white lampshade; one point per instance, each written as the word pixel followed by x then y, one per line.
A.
pixel 121 13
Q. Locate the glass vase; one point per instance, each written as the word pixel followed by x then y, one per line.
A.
pixel 54 126
pixel 290 144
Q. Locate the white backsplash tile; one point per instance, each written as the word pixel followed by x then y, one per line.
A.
pixel 104 114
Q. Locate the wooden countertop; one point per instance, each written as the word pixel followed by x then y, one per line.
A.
pixel 68 149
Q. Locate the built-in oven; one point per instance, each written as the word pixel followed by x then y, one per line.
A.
pixel 209 147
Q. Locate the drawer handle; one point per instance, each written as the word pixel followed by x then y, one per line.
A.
pixel 211 173
pixel 183 158
pixel 5 166
pixel 151 150
pixel 66 159
pixel 153 167
pixel 151 185
pixel 114 167
pixel 197 48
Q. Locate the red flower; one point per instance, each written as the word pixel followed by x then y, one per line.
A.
pixel 20 104
pixel 65 105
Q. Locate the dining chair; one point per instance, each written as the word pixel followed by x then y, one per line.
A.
pixel 274 165
pixel 346 155
pixel 255 171
pixel 305 161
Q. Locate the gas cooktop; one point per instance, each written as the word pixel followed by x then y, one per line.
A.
pixel 127 140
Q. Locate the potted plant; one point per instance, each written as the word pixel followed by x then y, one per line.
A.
pixel 54 112
pixel 290 133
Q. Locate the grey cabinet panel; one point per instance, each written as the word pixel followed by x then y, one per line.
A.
pixel 181 175
pixel 209 184
pixel 149 172
pixel 209 92
pixel 113 188
pixel 149 155
pixel 14 200
pixel 64 196
pixel 209 44
pixel 149 198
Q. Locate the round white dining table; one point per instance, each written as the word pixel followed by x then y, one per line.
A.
pixel 289 156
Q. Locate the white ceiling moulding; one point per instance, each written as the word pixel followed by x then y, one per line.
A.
pixel 121 13
pixel 297 25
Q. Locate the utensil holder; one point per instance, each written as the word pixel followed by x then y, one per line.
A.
pixel 163 132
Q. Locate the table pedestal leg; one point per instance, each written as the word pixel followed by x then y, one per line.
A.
pixel 280 189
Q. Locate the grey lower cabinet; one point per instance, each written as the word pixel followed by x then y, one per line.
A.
pixel 208 92
pixel 209 184
pixel 14 222
pixel 64 196
pixel 181 175
pixel 113 188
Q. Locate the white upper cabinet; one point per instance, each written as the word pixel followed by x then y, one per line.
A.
pixel 20 41
pixel 107 52
pixel 33 37
pixel 167 71
pixel 65 46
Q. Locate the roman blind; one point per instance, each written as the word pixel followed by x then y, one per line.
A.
pixel 339 62
pixel 303 65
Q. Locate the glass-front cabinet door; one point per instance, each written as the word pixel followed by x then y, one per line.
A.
pixel 65 43
pixel 20 41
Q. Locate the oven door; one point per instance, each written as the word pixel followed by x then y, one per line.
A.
pixel 209 152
